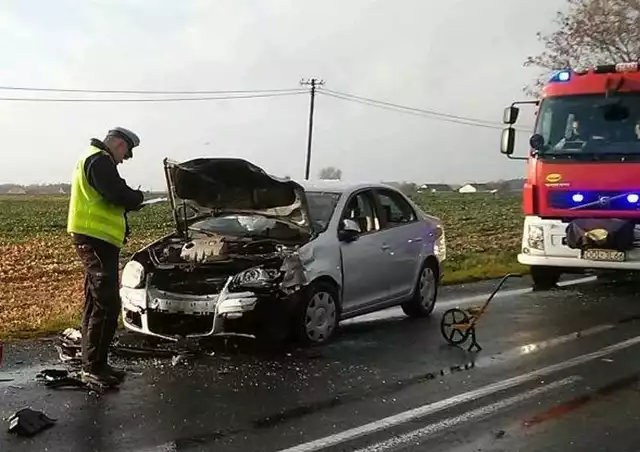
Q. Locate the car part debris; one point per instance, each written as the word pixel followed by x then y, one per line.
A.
pixel 56 378
pixel 69 347
pixel 28 422
pixel 68 356
pixel 72 335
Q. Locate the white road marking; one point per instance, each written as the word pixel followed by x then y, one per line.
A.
pixel 431 408
pixel 506 293
pixel 528 349
pixel 168 447
pixel 415 435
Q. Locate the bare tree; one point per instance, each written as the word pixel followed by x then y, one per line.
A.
pixel 330 173
pixel 590 32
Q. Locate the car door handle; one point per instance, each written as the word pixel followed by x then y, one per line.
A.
pixel 416 240
pixel 385 247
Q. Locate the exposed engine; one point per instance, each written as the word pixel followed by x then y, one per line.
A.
pixel 203 263
pixel 209 248
pixel 206 249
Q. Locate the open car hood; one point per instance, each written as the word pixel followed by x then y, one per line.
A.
pixel 216 185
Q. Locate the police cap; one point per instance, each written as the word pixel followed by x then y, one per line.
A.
pixel 128 136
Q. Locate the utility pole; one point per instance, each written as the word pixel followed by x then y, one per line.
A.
pixel 314 83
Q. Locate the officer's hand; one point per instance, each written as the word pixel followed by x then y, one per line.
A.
pixel 139 206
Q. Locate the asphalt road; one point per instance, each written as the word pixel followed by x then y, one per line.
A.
pixel 558 371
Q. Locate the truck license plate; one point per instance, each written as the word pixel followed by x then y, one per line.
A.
pixel 604 255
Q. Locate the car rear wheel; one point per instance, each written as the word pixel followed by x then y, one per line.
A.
pixel 425 293
pixel 316 319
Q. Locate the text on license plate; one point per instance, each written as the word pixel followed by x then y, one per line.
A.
pixel 604 255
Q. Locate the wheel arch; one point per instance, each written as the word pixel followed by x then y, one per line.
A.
pixel 431 261
pixel 326 279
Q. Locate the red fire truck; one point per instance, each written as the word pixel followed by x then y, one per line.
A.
pixel 581 198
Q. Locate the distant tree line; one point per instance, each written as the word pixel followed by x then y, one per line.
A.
pixel 35 189
pixel 330 174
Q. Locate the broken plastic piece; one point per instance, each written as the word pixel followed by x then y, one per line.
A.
pixel 56 378
pixel 28 422
pixel 69 356
pixel 72 335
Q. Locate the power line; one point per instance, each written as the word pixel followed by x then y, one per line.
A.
pixel 167 92
pixel 404 107
pixel 170 99
pixel 414 111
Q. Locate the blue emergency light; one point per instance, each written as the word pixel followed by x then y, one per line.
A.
pixel 632 198
pixel 610 200
pixel 561 76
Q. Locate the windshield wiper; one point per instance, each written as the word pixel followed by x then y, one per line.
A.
pixel 592 156
pixel 205 231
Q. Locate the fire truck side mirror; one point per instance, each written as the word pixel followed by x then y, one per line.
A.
pixel 510 115
pixel 507 141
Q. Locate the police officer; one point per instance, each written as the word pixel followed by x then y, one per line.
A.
pixel 97 221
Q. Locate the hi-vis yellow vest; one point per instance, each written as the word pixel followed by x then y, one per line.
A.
pixel 89 213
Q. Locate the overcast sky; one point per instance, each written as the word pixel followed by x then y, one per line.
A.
pixel 461 57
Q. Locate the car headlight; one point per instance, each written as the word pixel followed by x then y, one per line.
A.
pixel 440 245
pixel 133 275
pixel 535 237
pixel 256 278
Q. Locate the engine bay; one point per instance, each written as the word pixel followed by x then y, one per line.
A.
pixel 202 264
pixel 214 248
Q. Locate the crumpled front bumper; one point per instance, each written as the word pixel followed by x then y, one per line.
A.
pixel 171 315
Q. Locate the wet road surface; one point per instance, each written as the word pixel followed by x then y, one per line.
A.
pixel 558 371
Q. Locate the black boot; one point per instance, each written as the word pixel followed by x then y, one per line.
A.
pixel 116 372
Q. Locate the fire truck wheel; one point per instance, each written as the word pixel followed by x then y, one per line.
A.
pixel 545 278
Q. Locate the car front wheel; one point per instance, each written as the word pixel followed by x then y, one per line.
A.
pixel 316 318
pixel 425 294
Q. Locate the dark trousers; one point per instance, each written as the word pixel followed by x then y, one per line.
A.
pixel 101 299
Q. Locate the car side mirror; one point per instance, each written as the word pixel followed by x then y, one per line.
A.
pixel 510 115
pixel 349 230
pixel 507 141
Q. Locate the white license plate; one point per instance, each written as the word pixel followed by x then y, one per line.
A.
pixel 183 305
pixel 604 255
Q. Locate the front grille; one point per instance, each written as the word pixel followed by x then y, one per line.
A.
pixel 182 324
pixel 188 283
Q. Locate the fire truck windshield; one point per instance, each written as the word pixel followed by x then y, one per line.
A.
pixel 592 125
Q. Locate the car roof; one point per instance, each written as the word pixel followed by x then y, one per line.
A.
pixel 338 186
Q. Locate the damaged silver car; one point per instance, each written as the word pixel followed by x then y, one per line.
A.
pixel 256 255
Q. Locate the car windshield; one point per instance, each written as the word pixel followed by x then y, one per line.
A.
pixel 321 207
pixel 244 225
pixel 590 124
